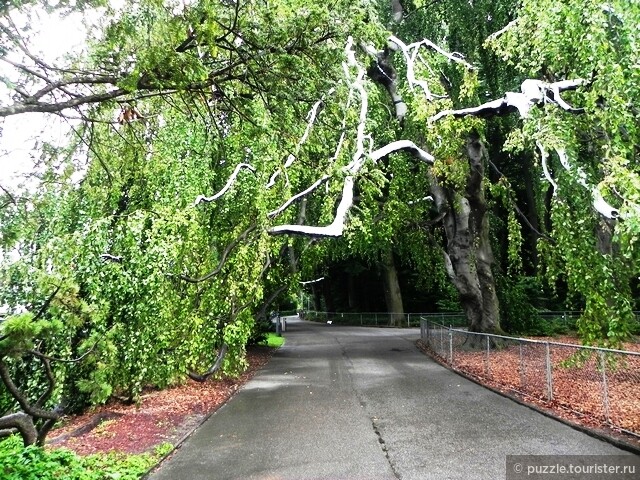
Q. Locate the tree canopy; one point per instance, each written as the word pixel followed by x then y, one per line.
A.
pixel 222 152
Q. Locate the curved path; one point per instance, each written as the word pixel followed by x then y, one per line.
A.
pixel 363 403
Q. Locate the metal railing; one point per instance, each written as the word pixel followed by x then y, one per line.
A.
pixel 456 319
pixel 382 319
pixel 600 383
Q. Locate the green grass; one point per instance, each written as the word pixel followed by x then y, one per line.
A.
pixel 273 340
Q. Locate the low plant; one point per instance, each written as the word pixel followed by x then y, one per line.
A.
pixel 272 340
pixel 36 463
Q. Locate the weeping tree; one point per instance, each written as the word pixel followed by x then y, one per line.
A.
pixel 225 147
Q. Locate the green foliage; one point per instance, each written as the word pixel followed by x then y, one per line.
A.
pixel 36 463
pixel 517 296
pixel 273 341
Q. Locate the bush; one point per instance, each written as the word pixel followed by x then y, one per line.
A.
pixel 36 463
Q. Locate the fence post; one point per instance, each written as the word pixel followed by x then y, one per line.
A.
pixel 522 373
pixel 450 346
pixel 605 387
pixel 486 360
pixel 548 372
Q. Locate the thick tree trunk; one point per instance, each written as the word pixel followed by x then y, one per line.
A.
pixel 328 297
pixel 351 292
pixel 392 293
pixel 468 256
pixel 317 298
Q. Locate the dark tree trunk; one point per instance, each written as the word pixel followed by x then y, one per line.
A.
pixel 392 293
pixel 317 298
pixel 468 255
pixel 328 296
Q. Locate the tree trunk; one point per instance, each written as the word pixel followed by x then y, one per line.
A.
pixel 468 255
pixel 392 293
pixel 328 297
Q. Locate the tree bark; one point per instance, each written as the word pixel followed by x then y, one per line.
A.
pixel 468 255
pixel 392 293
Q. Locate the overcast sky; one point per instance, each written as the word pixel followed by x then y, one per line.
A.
pixel 54 37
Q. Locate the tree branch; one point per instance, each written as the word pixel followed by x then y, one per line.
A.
pixel 214 368
pixel 230 181
pixel 533 93
pixel 223 260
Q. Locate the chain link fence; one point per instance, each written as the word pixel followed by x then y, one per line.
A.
pixel 599 383
pixel 382 319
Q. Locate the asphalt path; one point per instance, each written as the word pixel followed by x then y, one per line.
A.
pixel 364 403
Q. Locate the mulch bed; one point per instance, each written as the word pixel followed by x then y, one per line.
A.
pixel 161 416
pixel 577 398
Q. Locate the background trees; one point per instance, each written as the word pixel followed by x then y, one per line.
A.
pixel 216 145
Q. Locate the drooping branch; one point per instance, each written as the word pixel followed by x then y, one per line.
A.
pixel 230 182
pixel 395 43
pixel 283 207
pixel 532 93
pixel 262 313
pixel 214 368
pixel 336 227
pixel 311 118
pixel 599 203
pixel 544 155
pixel 225 254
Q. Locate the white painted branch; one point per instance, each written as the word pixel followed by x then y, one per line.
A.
pixel 545 168
pixel 311 118
pixel 506 28
pixel 358 85
pixel 336 227
pixel 284 206
pixel 533 93
pixel 230 181
pixel 312 281
pixel 402 145
pixel 395 43
pixel 599 203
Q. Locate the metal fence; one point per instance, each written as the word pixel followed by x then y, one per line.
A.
pixel 456 319
pixel 600 383
pixel 383 319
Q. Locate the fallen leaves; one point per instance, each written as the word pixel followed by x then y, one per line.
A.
pixel 162 415
pixel 582 391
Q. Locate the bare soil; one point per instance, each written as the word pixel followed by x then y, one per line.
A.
pixel 161 415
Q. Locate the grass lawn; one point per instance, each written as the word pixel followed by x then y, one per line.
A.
pixel 273 340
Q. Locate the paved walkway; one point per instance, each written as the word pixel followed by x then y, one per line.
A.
pixel 363 403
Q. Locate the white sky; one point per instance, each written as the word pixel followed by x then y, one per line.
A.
pixel 53 38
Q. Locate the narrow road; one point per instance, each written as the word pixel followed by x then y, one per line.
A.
pixel 363 403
